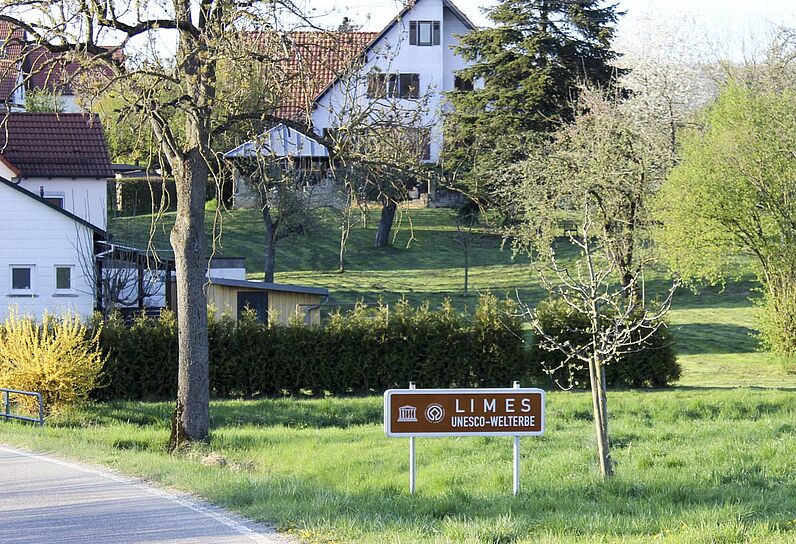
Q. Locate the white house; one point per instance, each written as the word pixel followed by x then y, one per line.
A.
pixel 403 71
pixel 53 178
pixel 406 69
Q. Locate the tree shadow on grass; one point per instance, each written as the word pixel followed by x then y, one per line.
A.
pixel 699 338
pixel 288 412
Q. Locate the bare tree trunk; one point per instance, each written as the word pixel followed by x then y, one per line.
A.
pixel 385 223
pixel 188 241
pixel 345 230
pixel 466 265
pixel 189 164
pixel 600 416
pixel 270 245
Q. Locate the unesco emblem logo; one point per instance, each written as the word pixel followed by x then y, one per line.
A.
pixel 434 413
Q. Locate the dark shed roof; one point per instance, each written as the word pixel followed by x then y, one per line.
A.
pixel 262 286
pixel 55 145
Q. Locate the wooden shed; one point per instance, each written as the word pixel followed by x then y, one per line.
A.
pixel 275 301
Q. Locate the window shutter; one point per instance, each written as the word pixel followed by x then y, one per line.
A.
pixel 392 90
pixel 371 90
pixel 436 33
pixel 412 32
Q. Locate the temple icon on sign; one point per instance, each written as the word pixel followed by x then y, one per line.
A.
pixel 407 414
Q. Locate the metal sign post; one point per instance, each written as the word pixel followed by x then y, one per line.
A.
pixel 412 458
pixel 516 456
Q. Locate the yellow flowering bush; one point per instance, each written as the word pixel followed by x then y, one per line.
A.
pixel 59 358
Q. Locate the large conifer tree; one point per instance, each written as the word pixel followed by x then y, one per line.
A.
pixel 530 65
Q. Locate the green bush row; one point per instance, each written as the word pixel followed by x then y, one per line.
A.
pixel 133 196
pixel 362 351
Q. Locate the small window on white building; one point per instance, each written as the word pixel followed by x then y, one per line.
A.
pixel 63 278
pixel 409 86
pixel 21 279
pixel 424 33
pixel 462 84
pixel 55 200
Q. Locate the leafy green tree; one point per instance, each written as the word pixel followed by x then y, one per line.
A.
pixel 527 69
pixel 734 194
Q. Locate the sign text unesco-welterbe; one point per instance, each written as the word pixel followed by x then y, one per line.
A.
pixel 462 412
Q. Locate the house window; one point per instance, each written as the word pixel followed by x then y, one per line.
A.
pixel 462 84
pixel 424 33
pixel 63 278
pixel 393 86
pixel 22 279
pixel 55 200
pixel 409 86
pixel 420 141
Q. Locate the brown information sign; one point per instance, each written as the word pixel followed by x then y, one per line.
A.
pixel 463 412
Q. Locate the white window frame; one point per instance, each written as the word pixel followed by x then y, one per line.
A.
pixel 32 269
pixel 430 40
pixel 71 287
pixel 62 196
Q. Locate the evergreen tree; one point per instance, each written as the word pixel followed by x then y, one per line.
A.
pixel 530 63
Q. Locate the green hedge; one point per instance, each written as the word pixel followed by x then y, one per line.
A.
pixel 362 351
pixel 135 196
pixel 653 365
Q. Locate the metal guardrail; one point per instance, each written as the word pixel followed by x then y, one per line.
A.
pixel 7 405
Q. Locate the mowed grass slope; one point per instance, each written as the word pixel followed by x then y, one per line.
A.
pixel 693 466
pixel 714 327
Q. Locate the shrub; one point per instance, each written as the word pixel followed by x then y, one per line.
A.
pixel 777 316
pixel 357 352
pixel 59 358
pixel 654 364
pixel 142 357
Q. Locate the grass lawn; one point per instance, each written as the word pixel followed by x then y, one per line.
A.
pixel 693 466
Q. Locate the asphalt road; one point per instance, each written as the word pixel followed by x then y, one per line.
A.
pixel 47 500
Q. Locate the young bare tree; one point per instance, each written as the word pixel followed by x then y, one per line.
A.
pixel 169 75
pixel 467 219
pixel 607 152
pixel 618 324
pixel 285 208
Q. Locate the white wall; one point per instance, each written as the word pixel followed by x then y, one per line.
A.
pixel 69 104
pixel 33 234
pixel 393 54
pixel 84 197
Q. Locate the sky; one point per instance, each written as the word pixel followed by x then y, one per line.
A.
pixel 729 28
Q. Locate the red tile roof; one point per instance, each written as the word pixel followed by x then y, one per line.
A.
pixel 42 69
pixel 55 145
pixel 46 70
pixel 315 60
pixel 11 45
